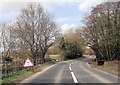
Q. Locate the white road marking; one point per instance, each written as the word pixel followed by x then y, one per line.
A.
pixel 70 68
pixel 74 78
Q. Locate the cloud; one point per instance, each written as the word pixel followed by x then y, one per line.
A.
pixel 62 19
pixel 10 10
pixel 87 4
pixel 13 7
pixel 17 6
pixel 67 27
pixel 47 4
pixel 40 1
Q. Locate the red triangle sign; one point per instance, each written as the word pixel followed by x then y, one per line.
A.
pixel 28 63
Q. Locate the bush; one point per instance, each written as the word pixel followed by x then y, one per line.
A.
pixel 48 60
pixel 70 50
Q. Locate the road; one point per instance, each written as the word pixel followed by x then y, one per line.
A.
pixel 72 72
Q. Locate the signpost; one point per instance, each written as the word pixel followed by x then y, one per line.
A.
pixel 28 63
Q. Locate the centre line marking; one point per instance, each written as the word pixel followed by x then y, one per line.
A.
pixel 74 78
pixel 70 68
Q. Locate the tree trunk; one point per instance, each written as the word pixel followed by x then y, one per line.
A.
pixel 43 57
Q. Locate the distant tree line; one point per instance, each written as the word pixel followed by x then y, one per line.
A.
pixel 33 32
pixel 102 30
pixel 71 45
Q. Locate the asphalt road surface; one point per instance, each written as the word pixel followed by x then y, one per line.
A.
pixel 72 72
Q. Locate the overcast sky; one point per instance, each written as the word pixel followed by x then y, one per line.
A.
pixel 66 13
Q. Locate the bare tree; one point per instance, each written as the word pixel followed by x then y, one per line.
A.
pixel 102 30
pixel 36 31
pixel 5 40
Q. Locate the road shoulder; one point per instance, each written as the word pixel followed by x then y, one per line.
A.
pixel 101 70
pixel 24 79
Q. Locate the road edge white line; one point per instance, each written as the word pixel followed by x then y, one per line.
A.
pixel 102 71
pixel 74 78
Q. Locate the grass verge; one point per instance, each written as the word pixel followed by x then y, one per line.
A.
pixel 22 74
pixel 60 59
pixel 54 56
pixel 75 58
pixel 57 57
pixel 109 66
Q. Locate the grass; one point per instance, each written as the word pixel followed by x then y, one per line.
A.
pixel 57 56
pixel 75 58
pixel 21 74
pixel 81 57
pixel 54 56
pixel 14 77
pixel 60 59
pixel 92 62
pixel 109 66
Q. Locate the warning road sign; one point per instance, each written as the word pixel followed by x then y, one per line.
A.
pixel 28 63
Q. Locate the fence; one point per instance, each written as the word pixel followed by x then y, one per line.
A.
pixel 10 68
